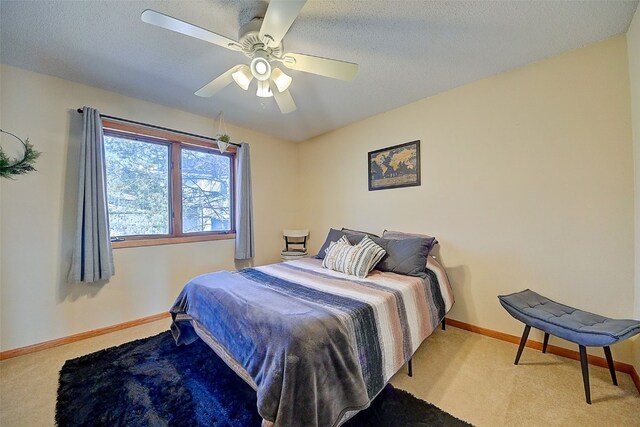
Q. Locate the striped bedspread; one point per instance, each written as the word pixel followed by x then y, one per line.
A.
pixel 317 345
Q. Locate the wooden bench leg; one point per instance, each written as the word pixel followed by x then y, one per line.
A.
pixel 546 341
pixel 410 368
pixel 612 368
pixel 585 372
pixel 523 341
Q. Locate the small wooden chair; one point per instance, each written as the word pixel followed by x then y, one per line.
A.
pixel 295 242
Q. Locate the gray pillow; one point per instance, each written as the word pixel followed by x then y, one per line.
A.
pixel 335 235
pixel 399 235
pixel 406 256
pixel 358 232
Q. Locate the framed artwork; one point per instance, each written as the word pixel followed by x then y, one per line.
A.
pixel 395 167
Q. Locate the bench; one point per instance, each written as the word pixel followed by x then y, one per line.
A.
pixel 581 327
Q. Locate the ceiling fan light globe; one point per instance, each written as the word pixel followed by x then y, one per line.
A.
pixel 260 66
pixel 264 89
pixel 281 80
pixel 243 77
pixel 261 69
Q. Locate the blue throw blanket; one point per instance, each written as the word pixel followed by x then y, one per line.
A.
pixel 317 345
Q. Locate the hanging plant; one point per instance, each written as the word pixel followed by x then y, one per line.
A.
pixel 14 166
pixel 224 138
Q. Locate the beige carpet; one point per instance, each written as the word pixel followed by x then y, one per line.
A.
pixel 468 375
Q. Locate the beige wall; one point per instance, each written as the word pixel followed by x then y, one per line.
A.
pixel 38 213
pixel 633 47
pixel 527 182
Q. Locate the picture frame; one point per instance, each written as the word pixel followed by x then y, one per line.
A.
pixel 394 167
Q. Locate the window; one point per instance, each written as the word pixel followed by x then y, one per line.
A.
pixel 206 181
pixel 165 188
pixel 137 186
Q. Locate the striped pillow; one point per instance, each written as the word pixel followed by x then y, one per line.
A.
pixel 356 260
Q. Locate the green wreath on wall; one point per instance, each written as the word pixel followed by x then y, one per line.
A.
pixel 14 166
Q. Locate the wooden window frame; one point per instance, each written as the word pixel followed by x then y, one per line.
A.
pixel 174 142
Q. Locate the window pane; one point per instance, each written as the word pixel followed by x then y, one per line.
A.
pixel 137 186
pixel 206 191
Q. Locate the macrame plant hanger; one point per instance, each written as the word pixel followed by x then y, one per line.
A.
pixel 222 136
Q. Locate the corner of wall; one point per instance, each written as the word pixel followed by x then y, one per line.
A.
pixel 633 50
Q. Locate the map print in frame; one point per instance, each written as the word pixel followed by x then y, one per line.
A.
pixel 394 167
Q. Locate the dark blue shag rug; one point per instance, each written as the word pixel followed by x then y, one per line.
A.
pixel 153 382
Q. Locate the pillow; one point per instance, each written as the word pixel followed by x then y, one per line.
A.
pixel 399 235
pixel 341 241
pixel 407 256
pixel 356 260
pixel 334 249
pixel 358 233
pixel 335 235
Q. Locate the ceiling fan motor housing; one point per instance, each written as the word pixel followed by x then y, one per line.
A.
pixel 251 42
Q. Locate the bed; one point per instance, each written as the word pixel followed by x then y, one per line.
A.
pixel 317 345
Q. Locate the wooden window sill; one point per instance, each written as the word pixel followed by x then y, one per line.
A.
pixel 134 243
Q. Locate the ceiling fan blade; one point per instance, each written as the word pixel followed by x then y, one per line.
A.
pixel 278 19
pixel 283 99
pixel 322 66
pixel 217 84
pixel 164 21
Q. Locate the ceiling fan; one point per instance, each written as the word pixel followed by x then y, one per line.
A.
pixel 261 41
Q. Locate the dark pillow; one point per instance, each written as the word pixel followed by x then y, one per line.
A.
pixel 335 235
pixel 404 256
pixel 349 231
pixel 399 235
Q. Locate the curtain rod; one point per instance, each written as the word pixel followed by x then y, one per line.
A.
pixel 120 119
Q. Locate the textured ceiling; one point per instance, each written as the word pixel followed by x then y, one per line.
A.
pixel 406 50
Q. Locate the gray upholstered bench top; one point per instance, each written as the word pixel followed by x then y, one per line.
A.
pixel 566 322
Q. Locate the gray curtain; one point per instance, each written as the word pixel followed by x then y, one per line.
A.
pixel 92 259
pixel 244 205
